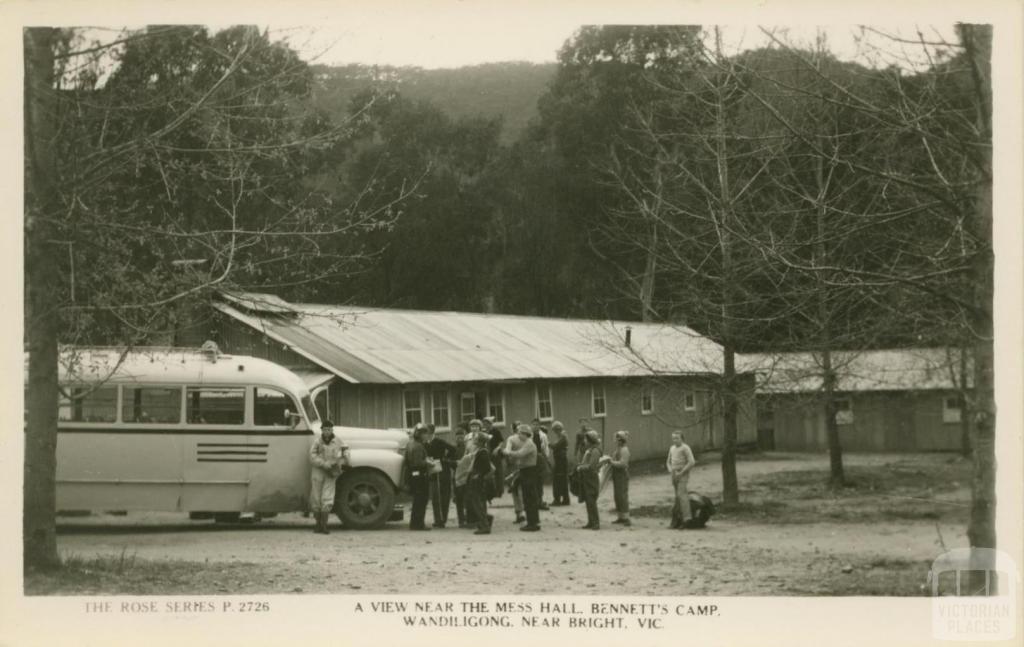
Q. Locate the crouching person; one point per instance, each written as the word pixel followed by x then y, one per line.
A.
pixel 327 457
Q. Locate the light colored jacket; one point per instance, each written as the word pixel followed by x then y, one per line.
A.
pixel 464 465
pixel 525 455
pixel 620 458
pixel 327 458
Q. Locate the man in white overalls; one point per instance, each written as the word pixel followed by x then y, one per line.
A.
pixel 327 456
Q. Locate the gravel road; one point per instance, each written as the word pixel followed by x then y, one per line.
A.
pixel 729 557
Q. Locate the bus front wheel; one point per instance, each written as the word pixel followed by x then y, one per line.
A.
pixel 364 499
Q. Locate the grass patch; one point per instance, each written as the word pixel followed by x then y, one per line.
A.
pixel 915 489
pixel 124 574
pixel 117 565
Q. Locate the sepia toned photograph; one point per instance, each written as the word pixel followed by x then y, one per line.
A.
pixel 578 309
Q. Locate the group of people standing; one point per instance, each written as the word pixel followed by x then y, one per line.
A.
pixel 482 464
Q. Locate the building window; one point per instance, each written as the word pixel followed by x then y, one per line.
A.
pixel 151 405
pixel 467 406
pixel 597 403
pixel 844 411
pixel 689 401
pixel 413 408
pixel 496 403
pixel 951 408
pixel 215 406
pixel 646 400
pixel 544 409
pixel 96 405
pixel 439 410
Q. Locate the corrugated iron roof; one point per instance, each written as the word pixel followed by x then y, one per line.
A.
pixel 258 301
pixel 374 345
pixel 285 329
pixel 876 370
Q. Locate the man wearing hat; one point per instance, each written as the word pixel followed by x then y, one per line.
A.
pixel 459 473
pixel 590 464
pixel 494 445
pixel 526 458
pixel 512 444
pixel 620 477
pixel 540 439
pixel 559 446
pixel 418 471
pixel 478 440
pixel 443 453
pixel 477 477
pixel 327 456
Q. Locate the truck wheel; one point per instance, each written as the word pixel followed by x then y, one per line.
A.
pixel 364 500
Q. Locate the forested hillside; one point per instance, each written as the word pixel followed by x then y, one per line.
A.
pixel 507 90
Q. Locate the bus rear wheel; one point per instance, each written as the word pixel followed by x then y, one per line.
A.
pixel 364 500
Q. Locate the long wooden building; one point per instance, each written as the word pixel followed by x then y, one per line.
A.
pixel 887 400
pixel 386 368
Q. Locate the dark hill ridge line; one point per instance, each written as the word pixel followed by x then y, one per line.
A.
pixel 507 90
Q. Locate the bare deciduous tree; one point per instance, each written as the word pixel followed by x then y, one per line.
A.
pixel 162 167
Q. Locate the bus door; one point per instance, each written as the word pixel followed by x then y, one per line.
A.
pixel 218 452
pixel 281 482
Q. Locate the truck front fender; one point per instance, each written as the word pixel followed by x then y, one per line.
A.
pixel 385 460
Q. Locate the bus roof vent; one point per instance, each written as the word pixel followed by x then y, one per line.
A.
pixel 210 350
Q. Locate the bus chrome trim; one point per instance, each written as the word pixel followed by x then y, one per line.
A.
pixel 185 431
pixel 148 482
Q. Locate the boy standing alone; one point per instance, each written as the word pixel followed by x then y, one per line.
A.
pixel 679 463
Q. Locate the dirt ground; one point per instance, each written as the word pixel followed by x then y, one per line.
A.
pixel 791 535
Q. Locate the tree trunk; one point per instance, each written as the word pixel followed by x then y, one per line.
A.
pixel 962 395
pixel 835 449
pixel 41 314
pixel 837 477
pixel 730 482
pixel 981 530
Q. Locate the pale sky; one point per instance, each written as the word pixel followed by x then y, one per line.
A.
pixel 448 40
pixel 433 43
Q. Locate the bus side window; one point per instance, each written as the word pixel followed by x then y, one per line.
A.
pixel 270 407
pixel 215 405
pixel 85 405
pixel 151 404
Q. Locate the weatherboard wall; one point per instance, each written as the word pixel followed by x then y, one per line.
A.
pixel 882 421
pixel 382 406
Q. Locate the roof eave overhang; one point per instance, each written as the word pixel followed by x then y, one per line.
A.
pixel 254 323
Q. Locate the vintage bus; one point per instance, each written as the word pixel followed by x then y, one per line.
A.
pixel 194 430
